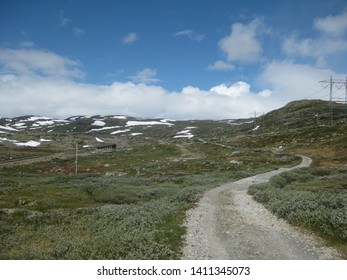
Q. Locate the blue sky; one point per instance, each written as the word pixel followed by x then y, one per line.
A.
pixel 176 59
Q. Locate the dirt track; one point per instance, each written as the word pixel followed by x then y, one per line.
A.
pixel 228 224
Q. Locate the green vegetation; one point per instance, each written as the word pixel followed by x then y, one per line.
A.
pixel 127 226
pixel 131 203
pixel 128 204
pixel 314 198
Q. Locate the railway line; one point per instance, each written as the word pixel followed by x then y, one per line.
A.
pixel 34 159
pixel 41 158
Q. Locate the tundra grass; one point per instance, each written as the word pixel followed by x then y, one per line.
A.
pixel 313 198
pixel 128 204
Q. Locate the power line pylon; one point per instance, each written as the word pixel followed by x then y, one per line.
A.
pixel 339 84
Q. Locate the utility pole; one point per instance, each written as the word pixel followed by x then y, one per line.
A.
pixel 339 84
pixel 254 114
pixel 331 100
pixel 76 161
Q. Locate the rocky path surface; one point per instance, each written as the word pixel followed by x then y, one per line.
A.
pixel 228 224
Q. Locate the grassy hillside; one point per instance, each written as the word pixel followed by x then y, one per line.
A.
pixel 314 198
pixel 130 203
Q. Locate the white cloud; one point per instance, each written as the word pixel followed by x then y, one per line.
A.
pixel 236 90
pixel 78 31
pixel 130 38
pixel 330 40
pixel 31 61
pixel 189 33
pixel 146 76
pixel 332 25
pixel 61 97
pixel 220 65
pixel 63 19
pixel 293 81
pixel 242 44
pixel 190 90
pixel 313 47
pixel 34 88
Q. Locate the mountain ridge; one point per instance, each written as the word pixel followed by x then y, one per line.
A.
pixel 318 110
pixel 296 122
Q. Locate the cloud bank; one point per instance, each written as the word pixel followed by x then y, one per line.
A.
pixel 61 97
pixel 38 62
pixel 40 82
pixel 43 83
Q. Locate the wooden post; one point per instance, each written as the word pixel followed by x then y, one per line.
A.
pixel 76 161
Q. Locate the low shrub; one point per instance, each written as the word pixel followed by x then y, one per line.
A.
pixel 303 199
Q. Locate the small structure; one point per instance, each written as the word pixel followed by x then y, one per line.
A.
pixel 107 146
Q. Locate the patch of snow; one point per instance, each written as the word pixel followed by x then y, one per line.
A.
pixel 184 136
pixel 99 140
pixel 98 123
pixel 167 120
pixel 138 123
pixel 184 131
pixel 8 128
pixel 25 144
pixel 42 123
pixel 135 134
pixel 256 128
pixel 119 117
pixel 191 127
pixel 8 140
pixel 29 144
pixel 62 121
pixel 104 128
pixel 19 124
pixel 45 140
pixel 120 131
pixel 74 118
pixel 33 119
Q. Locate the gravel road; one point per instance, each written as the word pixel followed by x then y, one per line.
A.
pixel 228 224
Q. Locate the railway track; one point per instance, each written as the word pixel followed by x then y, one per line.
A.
pixel 7 161
pixel 30 160
pixel 41 158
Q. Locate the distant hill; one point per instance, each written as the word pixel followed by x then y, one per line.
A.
pixel 304 113
pixel 296 122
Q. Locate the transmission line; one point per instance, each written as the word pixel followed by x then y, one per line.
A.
pixel 338 83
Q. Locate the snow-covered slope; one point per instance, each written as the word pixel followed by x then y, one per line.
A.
pixel 102 124
pixel 38 131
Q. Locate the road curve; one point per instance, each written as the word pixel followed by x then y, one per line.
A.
pixel 228 224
